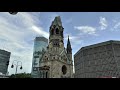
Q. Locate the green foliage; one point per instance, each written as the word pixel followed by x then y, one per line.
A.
pixel 21 75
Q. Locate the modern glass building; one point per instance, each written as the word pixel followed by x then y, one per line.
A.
pixel 40 46
pixel 4 61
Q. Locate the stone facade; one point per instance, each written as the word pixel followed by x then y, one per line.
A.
pixel 56 56
pixel 99 60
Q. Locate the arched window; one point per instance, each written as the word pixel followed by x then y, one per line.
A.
pixel 57 31
pixel 52 31
pixel 64 69
pixel 46 74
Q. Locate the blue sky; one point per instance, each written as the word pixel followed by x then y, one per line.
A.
pixel 17 32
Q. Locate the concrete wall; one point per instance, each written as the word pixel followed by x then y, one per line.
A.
pixel 101 61
pixel 56 69
pixel 4 58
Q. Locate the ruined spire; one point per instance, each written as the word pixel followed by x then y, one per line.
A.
pixel 57 21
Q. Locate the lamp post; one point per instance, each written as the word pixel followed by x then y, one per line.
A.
pixel 16 64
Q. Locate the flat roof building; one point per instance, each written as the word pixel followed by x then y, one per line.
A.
pixel 4 61
pixel 98 60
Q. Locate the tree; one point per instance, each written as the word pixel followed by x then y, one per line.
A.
pixel 21 75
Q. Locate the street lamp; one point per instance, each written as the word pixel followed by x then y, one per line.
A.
pixel 16 64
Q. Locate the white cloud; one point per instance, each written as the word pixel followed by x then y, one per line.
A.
pixel 117 25
pixel 75 40
pixel 69 20
pixel 40 31
pixel 16 33
pixel 114 21
pixel 103 23
pixel 71 37
pixel 86 29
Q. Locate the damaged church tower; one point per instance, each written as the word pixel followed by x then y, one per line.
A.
pixel 57 60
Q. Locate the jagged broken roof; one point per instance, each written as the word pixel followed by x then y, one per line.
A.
pixel 57 21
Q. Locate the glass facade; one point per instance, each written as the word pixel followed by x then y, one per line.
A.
pixel 40 45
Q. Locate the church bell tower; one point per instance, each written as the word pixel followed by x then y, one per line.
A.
pixel 56 35
pixel 57 58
